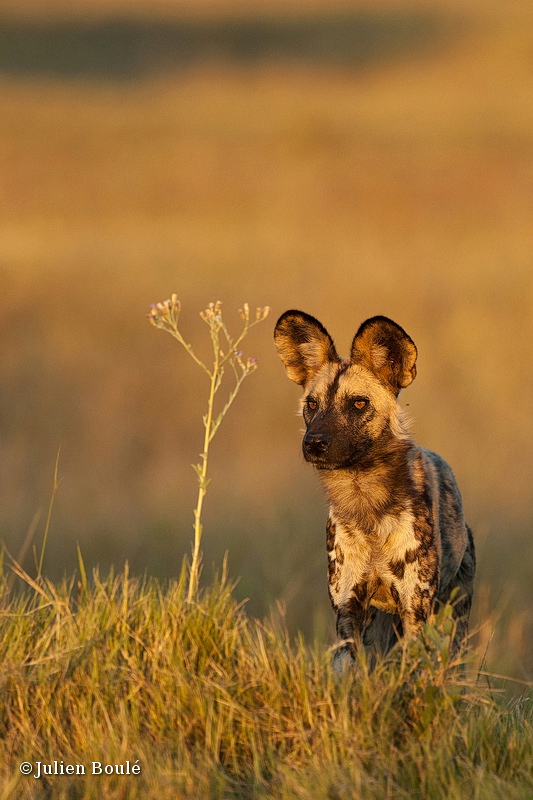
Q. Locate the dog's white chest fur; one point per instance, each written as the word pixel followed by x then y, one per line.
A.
pixel 358 557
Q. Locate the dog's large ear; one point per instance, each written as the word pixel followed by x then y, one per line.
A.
pixel 304 345
pixel 385 348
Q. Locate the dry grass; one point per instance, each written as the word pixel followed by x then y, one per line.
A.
pixel 211 704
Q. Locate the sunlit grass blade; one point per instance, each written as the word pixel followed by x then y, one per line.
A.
pixel 49 515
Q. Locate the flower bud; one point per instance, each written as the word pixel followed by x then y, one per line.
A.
pixel 175 302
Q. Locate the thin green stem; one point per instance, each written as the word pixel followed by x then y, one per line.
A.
pixel 202 473
pixel 233 344
pixel 177 335
pixel 231 398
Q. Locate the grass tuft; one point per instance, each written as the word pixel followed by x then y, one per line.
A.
pixel 214 704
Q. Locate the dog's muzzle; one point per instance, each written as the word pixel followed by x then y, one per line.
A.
pixel 316 445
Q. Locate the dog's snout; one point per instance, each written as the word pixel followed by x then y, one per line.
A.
pixel 316 444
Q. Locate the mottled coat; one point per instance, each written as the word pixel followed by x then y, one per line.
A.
pixel 397 541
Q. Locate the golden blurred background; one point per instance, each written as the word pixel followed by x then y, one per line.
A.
pixel 348 159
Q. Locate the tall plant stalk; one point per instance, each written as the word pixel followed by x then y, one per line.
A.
pixel 226 354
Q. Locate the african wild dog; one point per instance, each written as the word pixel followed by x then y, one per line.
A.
pixel 397 540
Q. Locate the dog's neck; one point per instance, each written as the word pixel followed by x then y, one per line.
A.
pixel 362 494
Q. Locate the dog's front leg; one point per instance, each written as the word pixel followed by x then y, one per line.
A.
pixel 416 607
pixel 351 619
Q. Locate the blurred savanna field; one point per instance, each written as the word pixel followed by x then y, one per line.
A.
pixel 345 159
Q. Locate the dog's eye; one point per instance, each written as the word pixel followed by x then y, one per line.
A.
pixel 312 405
pixel 360 403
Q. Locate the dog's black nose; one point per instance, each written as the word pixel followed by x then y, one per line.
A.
pixel 316 444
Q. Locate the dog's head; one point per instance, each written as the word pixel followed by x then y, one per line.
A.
pixel 348 404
